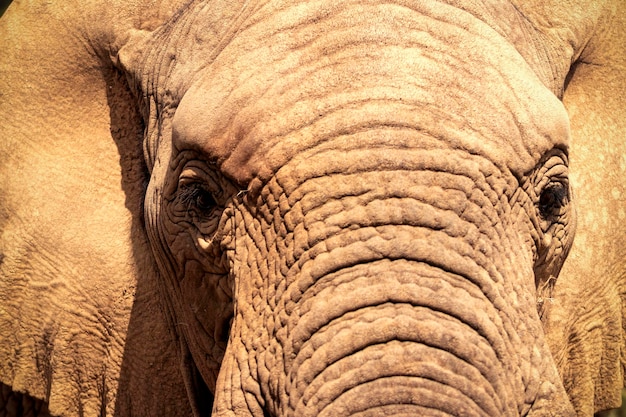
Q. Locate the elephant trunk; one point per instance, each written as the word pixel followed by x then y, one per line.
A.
pixel 393 285
pixel 395 338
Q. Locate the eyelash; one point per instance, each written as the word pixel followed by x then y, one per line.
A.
pixel 195 196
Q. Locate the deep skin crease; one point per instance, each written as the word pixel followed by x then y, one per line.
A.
pixel 298 208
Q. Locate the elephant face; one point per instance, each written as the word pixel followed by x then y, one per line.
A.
pixel 357 209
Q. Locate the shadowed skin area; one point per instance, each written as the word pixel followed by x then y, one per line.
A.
pixel 391 237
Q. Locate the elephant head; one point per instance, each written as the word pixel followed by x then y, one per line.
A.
pixel 362 208
pixel 341 228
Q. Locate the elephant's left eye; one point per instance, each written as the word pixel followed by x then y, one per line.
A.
pixel 553 198
pixel 197 197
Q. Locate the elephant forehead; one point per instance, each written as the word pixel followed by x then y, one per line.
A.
pixel 301 76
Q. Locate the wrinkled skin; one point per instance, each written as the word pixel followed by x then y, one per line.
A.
pixel 313 208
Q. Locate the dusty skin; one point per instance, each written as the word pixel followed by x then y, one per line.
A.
pixel 312 208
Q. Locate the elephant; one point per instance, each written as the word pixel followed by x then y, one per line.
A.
pixel 303 208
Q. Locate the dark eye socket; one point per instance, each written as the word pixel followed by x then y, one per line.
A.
pixel 195 196
pixel 205 200
pixel 552 198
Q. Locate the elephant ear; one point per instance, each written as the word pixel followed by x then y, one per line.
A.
pixel 80 327
pixel 586 321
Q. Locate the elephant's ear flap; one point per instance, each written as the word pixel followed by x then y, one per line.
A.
pixel 587 334
pixel 70 195
pixel 133 59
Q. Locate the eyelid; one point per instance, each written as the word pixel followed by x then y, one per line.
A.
pixel 551 178
pixel 196 177
pixel 190 176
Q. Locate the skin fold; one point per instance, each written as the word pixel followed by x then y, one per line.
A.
pixel 289 208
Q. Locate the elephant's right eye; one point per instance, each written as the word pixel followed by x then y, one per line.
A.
pixel 195 197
